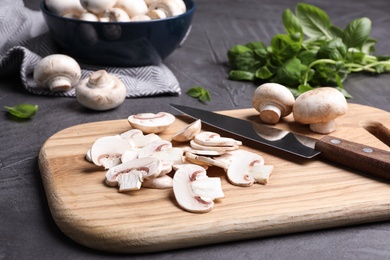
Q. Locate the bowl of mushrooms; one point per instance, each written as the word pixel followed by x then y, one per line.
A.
pixel 121 33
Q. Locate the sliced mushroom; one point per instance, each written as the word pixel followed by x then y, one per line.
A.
pixel 107 151
pixel 130 175
pixel 161 182
pixel 319 108
pixel 189 132
pixel 150 122
pixel 203 152
pixel 194 190
pixel 214 139
pixel 154 146
pixel 197 146
pixel 57 72
pixel 242 168
pixel 273 101
pixel 206 160
pixel 101 91
pixel 129 155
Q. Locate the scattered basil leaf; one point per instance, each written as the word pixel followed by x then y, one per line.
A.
pixel 200 93
pixel 24 111
pixel 313 53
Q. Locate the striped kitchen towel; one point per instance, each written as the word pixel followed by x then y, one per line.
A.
pixel 24 41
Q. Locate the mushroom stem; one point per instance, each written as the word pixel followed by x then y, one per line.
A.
pixel 270 113
pixel 324 127
pixel 60 84
pixel 99 79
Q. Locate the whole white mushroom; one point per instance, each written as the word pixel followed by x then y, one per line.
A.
pixel 101 91
pixel 57 72
pixel 319 108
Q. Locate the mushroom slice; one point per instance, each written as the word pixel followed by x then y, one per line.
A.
pixel 161 182
pixel 171 155
pixel 214 139
pixel 130 134
pixel 107 151
pixel 151 123
pixel 194 190
pixel 243 166
pixel 203 152
pixel 154 146
pixel 261 173
pixel 189 132
pixel 130 175
pixel 206 160
pixel 129 155
pixel 197 146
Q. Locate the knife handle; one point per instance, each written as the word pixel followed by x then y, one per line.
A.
pixel 366 159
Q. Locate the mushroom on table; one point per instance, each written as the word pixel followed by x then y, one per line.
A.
pixel 57 72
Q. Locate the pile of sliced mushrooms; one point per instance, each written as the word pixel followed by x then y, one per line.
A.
pixel 140 158
pixel 116 10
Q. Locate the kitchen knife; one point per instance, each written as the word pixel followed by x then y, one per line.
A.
pixel 360 157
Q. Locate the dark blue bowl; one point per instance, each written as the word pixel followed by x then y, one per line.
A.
pixel 120 44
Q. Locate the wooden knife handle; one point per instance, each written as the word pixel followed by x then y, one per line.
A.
pixel 360 157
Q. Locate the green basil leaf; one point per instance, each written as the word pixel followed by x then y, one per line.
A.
pixel 23 110
pixel 236 50
pixel 356 33
pixel 200 93
pixel 307 57
pixel 303 88
pixel 284 47
pixel 264 73
pixel 289 73
pixel 241 75
pixel 333 49
pixel 291 23
pixel 255 45
pixel 314 21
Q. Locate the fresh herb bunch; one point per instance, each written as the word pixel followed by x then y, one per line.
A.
pixel 313 53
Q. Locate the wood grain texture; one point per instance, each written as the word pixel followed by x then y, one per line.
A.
pixel 301 194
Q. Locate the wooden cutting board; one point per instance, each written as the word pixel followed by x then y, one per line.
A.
pixel 301 194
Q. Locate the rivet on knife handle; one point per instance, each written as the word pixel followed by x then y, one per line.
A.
pixel 356 156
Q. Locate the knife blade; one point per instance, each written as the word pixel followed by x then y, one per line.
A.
pixel 369 160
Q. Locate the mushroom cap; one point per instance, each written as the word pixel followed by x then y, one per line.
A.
pixel 273 94
pixel 58 72
pixel 132 7
pixel 150 122
pixel 188 132
pixel 319 105
pixel 64 8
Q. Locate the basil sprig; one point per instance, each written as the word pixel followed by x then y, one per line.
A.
pixel 200 93
pixel 313 53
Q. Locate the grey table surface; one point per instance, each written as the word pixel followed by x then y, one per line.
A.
pixel 27 230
